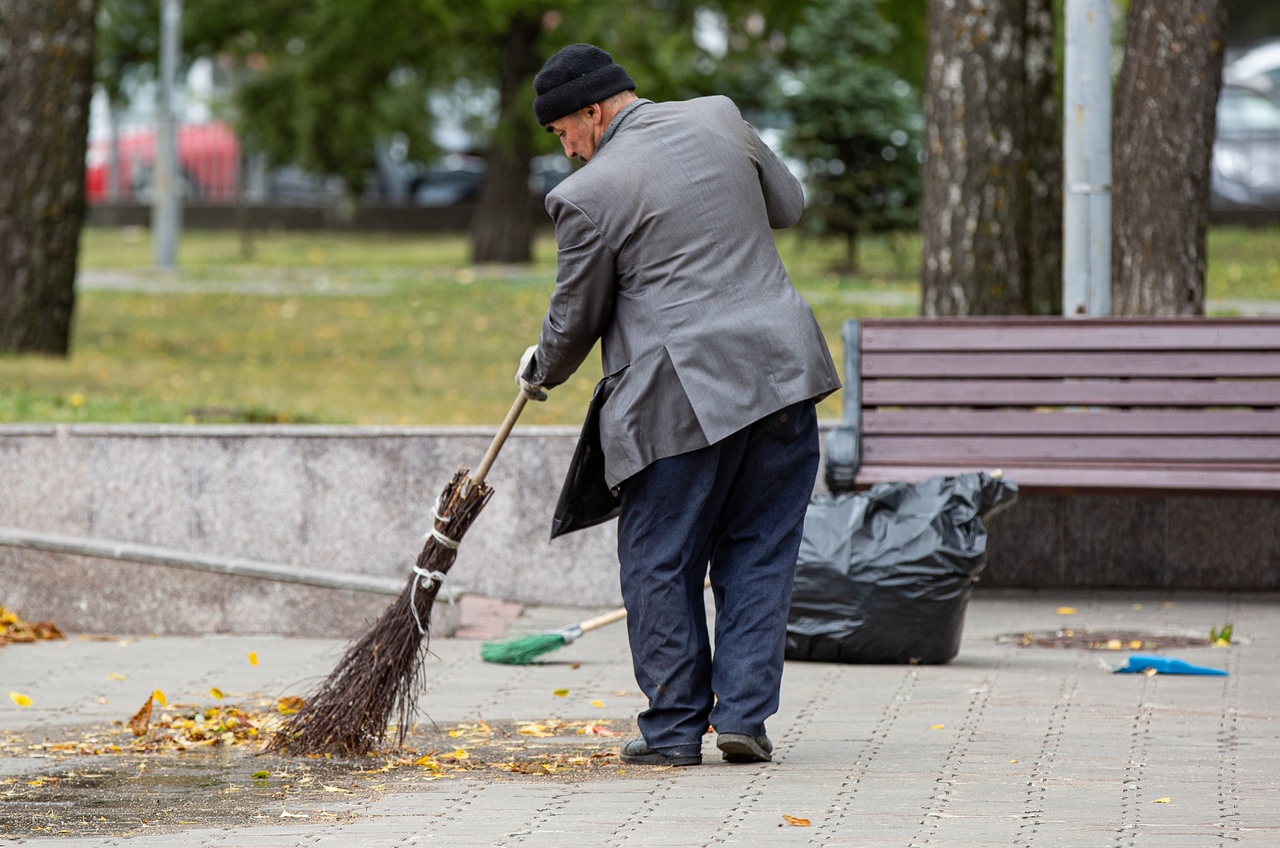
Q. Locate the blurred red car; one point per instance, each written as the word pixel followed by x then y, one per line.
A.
pixel 208 161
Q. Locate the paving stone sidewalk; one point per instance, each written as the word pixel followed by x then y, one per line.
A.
pixel 1006 746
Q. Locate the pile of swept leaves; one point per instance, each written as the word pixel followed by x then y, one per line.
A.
pixel 546 747
pixel 14 629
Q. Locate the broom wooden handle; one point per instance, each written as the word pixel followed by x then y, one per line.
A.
pixel 491 454
pixel 616 615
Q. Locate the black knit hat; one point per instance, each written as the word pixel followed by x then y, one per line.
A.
pixel 574 78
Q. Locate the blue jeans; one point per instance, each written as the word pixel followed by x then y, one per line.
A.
pixel 737 506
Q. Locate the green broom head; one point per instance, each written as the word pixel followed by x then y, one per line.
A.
pixel 526 650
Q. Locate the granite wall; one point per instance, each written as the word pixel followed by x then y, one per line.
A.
pixel 337 499
pixel 1136 541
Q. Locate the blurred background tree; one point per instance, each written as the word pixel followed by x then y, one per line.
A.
pixel 855 124
pixel 991 220
pixel 323 83
pixel 1164 122
pixel 46 80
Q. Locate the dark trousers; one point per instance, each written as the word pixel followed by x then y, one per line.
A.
pixel 738 507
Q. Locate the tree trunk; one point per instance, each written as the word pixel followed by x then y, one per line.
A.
pixel 46 79
pixel 991 216
pixel 1165 117
pixel 503 227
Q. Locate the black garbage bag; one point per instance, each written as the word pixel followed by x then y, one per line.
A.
pixel 884 576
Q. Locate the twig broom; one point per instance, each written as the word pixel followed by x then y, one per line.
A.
pixel 379 676
pixel 527 649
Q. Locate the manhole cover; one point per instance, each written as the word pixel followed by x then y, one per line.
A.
pixel 1102 640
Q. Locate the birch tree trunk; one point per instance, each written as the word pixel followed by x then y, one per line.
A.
pixel 1165 118
pixel 991 216
pixel 46 79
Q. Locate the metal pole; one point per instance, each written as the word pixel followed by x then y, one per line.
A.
pixel 166 204
pixel 1086 218
pixel 113 155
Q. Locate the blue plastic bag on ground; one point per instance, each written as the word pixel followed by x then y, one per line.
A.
pixel 884 576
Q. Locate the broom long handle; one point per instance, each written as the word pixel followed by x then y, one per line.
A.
pixel 616 615
pixel 491 454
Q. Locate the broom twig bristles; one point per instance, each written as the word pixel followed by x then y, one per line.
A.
pixel 379 675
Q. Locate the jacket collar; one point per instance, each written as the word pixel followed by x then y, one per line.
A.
pixel 618 120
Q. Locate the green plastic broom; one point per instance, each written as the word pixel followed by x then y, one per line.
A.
pixel 526 650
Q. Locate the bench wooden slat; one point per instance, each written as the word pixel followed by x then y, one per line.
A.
pixel 1079 393
pixel 1015 334
pixel 1070 364
pixel 1094 404
pixel 1019 422
pixel 1190 480
pixel 984 450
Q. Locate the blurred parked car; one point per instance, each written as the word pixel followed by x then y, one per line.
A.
pixel 1258 67
pixel 1246 151
pixel 208 164
pixel 209 172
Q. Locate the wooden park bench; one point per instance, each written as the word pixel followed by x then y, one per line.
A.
pixel 1093 405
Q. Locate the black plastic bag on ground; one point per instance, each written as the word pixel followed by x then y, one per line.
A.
pixel 884 576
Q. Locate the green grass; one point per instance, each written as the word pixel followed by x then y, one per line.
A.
pixel 380 329
pixel 1244 264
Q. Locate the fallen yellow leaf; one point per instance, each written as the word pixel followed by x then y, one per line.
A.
pixel 160 698
pixel 285 814
pixel 1162 801
pixel 290 704
pixel 460 754
pixel 561 693
pixel 336 789
pixel 598 704
pixel 114 676
pixel 20 699
pixel 535 729
pixel 795 822
pixel 1066 610
pixel 215 692
pixel 253 658
pixel 936 726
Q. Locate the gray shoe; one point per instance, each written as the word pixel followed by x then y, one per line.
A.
pixel 638 753
pixel 741 748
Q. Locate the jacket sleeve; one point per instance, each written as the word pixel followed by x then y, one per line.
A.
pixel 783 195
pixel 582 302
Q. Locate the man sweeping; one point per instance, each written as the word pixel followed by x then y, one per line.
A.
pixel 714 363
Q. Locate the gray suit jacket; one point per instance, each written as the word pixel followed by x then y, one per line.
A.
pixel 666 255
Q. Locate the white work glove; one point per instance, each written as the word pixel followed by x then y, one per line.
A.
pixel 529 390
